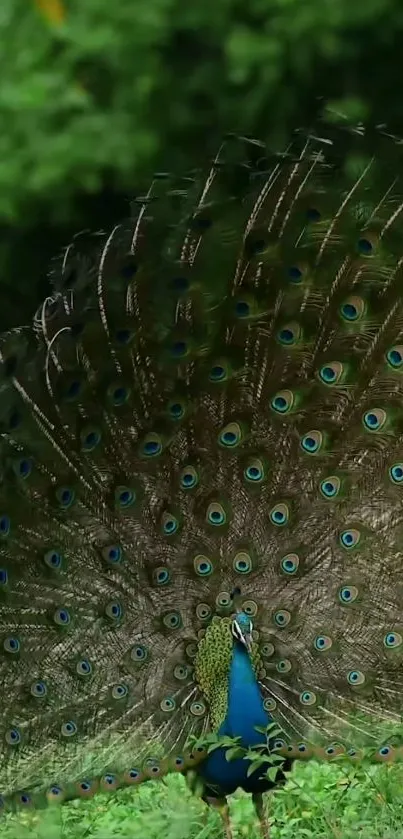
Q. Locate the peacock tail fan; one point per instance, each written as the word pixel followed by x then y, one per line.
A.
pixel 212 399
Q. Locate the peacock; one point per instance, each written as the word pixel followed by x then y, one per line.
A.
pixel 201 498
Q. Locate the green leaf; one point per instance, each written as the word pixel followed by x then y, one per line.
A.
pixel 272 773
pixel 256 764
pixel 234 753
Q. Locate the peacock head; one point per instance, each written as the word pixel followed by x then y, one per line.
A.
pixel 242 627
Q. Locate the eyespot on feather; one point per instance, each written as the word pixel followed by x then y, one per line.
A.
pixel 353 309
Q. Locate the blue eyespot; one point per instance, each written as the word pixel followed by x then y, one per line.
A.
pixel 230 436
pixel 38 689
pixel 365 246
pixel 395 358
pixel 114 610
pixel 309 444
pixel 161 576
pixel 216 514
pixel 242 309
pixel 84 786
pixel 125 497
pixel 330 487
pixel 385 751
pixel 289 334
pixel 286 336
pixel 392 640
pixel 119 691
pixel 13 736
pixel 172 620
pixel 279 515
pixel 217 373
pixel 55 791
pixel 69 729
pixel 349 311
pixel 189 477
pixel 5 526
pixel 279 403
pixel 348 594
pixel 375 419
pixel 84 667
pixel 322 643
pixel 152 447
pixel 282 618
pixel 328 374
pixel 139 653
pixel 168 704
pixel 113 554
pixel 254 471
pixel 242 563
pixel 290 564
pixel 176 410
pixel 11 645
pixel 90 440
pixel 23 467
pixel 312 442
pixel 396 473
pixel 203 566
pixel 353 308
pixel 284 665
pixel 73 390
pixel 170 524
pixel 350 538
pixel 294 274
pixel 282 402
pixel 65 496
pixel 307 697
pixel 179 349
pixel 356 677
pixel 62 617
pixel 120 395
pixel 3 576
pixel 53 560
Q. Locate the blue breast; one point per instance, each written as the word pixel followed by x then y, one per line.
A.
pixel 245 711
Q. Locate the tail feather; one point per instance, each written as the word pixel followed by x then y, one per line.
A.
pixel 211 400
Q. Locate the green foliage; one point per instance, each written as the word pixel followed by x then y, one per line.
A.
pixel 89 107
pixel 320 801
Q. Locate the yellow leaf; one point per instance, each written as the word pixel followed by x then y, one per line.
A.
pixel 53 10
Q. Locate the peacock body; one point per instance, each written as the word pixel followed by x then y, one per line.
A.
pixel 202 477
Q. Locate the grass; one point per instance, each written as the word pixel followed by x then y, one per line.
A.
pixel 320 801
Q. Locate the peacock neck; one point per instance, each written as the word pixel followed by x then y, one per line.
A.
pixel 244 712
pixel 245 702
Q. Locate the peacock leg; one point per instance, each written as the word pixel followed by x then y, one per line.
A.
pixel 258 801
pixel 221 804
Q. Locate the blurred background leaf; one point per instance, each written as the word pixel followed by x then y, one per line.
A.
pixel 96 95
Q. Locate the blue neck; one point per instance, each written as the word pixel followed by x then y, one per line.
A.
pixel 245 711
pixel 245 702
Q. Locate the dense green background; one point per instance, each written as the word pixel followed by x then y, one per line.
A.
pixel 91 104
